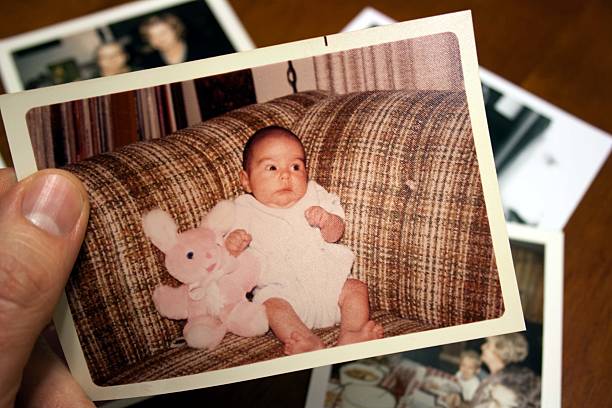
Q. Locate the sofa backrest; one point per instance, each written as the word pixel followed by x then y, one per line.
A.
pixel 405 167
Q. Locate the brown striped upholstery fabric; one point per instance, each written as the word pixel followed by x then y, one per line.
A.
pixel 404 166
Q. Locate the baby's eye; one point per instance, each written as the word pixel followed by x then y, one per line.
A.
pixel 271 167
pixel 190 255
pixel 295 167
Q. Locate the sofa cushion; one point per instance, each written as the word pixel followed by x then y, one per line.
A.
pixel 235 351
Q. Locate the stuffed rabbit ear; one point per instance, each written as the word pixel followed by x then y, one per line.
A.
pixel 161 229
pixel 221 217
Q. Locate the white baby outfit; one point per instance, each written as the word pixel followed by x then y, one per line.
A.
pixel 297 264
pixel 468 387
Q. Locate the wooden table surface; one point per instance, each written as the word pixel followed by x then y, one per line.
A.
pixel 558 50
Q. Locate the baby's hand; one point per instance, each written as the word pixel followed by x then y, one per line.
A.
pixel 316 216
pixel 331 226
pixel 237 241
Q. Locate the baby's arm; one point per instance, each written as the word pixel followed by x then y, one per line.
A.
pixel 331 225
pixel 237 241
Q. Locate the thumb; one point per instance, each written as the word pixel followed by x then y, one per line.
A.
pixel 42 224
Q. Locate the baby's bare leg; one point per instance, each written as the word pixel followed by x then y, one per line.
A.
pixel 289 328
pixel 355 323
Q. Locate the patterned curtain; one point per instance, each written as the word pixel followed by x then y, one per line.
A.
pixel 424 63
pixel 68 132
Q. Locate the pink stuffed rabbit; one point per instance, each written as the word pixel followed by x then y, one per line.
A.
pixel 212 296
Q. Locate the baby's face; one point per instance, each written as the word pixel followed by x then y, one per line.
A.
pixel 276 174
pixel 468 368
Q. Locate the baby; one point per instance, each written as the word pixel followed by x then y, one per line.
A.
pixel 292 225
pixel 469 366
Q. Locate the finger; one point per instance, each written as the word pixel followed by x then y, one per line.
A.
pixel 236 236
pixel 47 382
pixel 42 224
pixel 7 180
pixel 308 215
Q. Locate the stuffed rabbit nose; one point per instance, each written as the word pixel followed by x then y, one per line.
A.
pixel 208 255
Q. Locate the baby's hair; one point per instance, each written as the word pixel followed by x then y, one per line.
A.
pixel 260 135
pixel 470 354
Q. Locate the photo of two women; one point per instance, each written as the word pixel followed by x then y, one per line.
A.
pixel 158 38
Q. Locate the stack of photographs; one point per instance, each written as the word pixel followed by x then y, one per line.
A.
pixel 408 154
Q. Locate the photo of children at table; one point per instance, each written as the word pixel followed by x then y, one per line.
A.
pixel 488 372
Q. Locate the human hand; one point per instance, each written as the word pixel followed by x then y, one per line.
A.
pixel 331 226
pixel 452 400
pixel 317 216
pixel 237 241
pixel 42 225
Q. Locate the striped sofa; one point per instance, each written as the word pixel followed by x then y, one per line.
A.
pixel 404 166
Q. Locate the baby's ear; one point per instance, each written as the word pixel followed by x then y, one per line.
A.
pixel 161 229
pixel 244 180
pixel 221 217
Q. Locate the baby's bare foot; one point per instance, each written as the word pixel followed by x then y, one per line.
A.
pixel 369 331
pixel 298 343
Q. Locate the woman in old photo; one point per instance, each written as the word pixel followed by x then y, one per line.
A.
pixel 509 385
pixel 166 36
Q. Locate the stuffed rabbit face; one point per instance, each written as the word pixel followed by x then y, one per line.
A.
pixel 191 256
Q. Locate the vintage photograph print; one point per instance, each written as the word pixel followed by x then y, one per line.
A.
pixel 511 370
pixel 135 36
pixel 277 210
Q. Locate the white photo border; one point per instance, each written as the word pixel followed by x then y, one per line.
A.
pixel 15 106
pixel 221 10
pixel 368 17
pixel 552 328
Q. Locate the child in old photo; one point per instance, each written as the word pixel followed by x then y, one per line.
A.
pixel 467 376
pixel 292 225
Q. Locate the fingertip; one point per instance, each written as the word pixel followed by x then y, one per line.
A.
pixel 76 184
pixel 55 201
